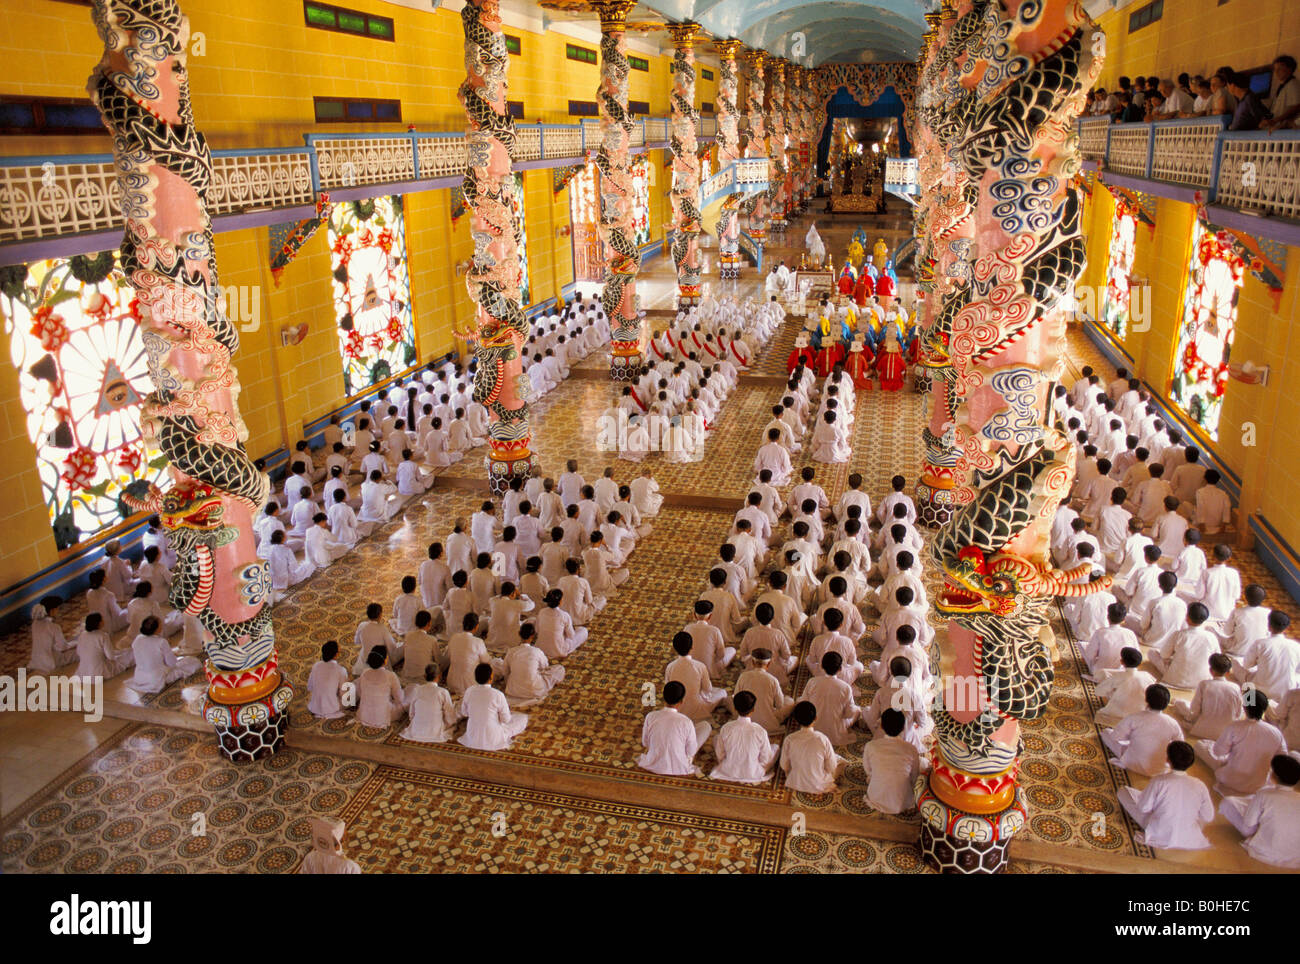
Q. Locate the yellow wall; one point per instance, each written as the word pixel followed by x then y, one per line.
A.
pixel 1251 413
pixel 252 86
pixel 1198 37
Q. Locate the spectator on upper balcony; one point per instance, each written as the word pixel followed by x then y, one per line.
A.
pixel 1155 103
pixel 1104 103
pixel 1128 112
pixel 1221 99
pixel 1204 94
pixel 1185 85
pixel 1125 87
pixel 1283 95
pixel 1250 112
pixel 1139 93
pixel 1178 103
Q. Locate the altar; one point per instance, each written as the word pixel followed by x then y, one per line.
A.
pixel 815 283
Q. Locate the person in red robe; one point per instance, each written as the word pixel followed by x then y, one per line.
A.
pixel 891 365
pixel 858 365
pixel 801 353
pixel 864 289
pixel 846 280
pixel 830 352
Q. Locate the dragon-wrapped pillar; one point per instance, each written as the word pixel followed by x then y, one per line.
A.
pixel 1026 80
pixel 686 166
pixel 164 167
pixel 627 341
pixel 756 208
pixel 728 150
pixel 493 279
pixel 778 193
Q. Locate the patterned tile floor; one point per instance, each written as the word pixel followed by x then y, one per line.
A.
pixel 589 727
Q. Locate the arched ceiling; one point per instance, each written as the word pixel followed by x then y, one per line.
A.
pixel 832 30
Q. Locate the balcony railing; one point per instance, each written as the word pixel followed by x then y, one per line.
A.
pixel 54 197
pixel 1254 171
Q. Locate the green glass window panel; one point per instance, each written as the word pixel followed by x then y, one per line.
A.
pixel 380 28
pixel 352 22
pixel 320 16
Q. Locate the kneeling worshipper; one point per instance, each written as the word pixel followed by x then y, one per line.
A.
pixel 1270 819
pixel 671 738
pixel 1174 805
pixel 859 362
pixel 890 364
pixel 802 354
pixel 490 723
pixel 834 336
pixel 327 855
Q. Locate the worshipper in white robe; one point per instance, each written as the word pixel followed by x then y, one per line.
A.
pixel 286 570
pixel 326 856
pixel 325 684
pixel 344 527
pixel 465 651
pixel 483 527
pixel 1139 741
pixel 410 479
pixel 1174 806
pixel 420 646
pixel 506 612
pixel 837 712
pixel 438 453
pixel 405 606
pixel 767 634
pixel 434 577
pixel 645 494
pixel 808 756
pixel 156 664
pixel 571 483
pixel 1123 690
pixel 829 441
pixel 1101 653
pixel 319 546
pixel 155 536
pixel 671 738
pixel 1245 624
pixel 96 655
pixel 595 562
pixel 1212 511
pixel 371 633
pixel 1240 757
pixel 1143 587
pixel 379 693
pixel 700 696
pixel 885 510
pixel 1165 619
pixel 557 637
pixel 816 247
pixel 117 574
pixel 903 644
pixel 892 766
pixel 710 648
pixel 460 548
pixel 144 603
pixel 528 673
pixel 1270 818
pixel 50 649
pixel 101 600
pixel 745 753
pixel 379 499
pixel 773 456
pixel 578 600
pixel 1272 664
pixel 1216 703
pixel 727 615
pixel 1187 661
pixel 490 724
pixel 772 706
pixel 430 709
pixel 834 641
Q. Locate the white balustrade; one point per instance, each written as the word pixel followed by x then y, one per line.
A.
pixel 1261 172
pixel 1183 152
pixel 1129 144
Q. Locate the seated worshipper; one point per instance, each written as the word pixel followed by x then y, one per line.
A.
pixel 1272 664
pixel 96 655
pixel 768 635
pixel 904 577
pixel 578 599
pixel 774 457
pixel 772 706
pixel 371 633
pixel 430 709
pixel 671 738
pixel 1139 741
pixel 807 755
pixel 829 441
pixel 595 562
pixel 1124 690
pixel 1217 702
pixel 319 546
pixel 1166 618
pixel 885 510
pixel 745 753
pixel 1089 613
pixel 836 710
pixel 144 603
pixel 420 646
pixel 1213 507
pixel 1186 662
pixel 710 648
pixel 892 766
pixel 726 613
pixel 1270 819
pixel 1103 651
pixel 484 584
pixel 1143 587
pixel 483 527
pixel 1222 585
pixel 325 684
pixel 505 613
pixel 345 529
pixel 557 637
pixel 490 724
pixel 465 651
pixel 379 500
pixel 410 479
pixel 434 577
pixel 285 569
pixel 459 600
pixel 645 494
pixel 532 584
pixel 529 675
pixel 700 696
pixel 1191 567
pixel 832 640
pixel 117 573
pixel 1240 757
pixel 50 649
pixel 101 601
pixel 156 664
pixel 379 694
pixel 903 644
pixel 327 855
pixel 1174 806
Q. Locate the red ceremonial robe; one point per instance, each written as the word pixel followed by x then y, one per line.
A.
pixel 863 290
pixel 858 365
pixel 892 369
pixel 800 354
pixel 827 356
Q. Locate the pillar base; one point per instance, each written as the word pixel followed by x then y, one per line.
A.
pixel 934 505
pixel 254 730
pixel 921 381
pixel 954 841
pixel 729 266
pixel 502 470
pixel 625 368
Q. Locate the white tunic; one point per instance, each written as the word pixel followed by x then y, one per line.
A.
pixel 892 765
pixel 1171 810
pixel 809 761
pixel 324 683
pixel 433 716
pixel 1140 741
pixel 491 725
pixel 671 740
pixel 1270 822
pixel 1124 693
pixel 1217 703
pixel 744 752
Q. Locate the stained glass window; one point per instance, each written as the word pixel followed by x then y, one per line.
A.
pixel 1119 271
pixel 1214 277
pixel 640 171
pixel 372 290
pixel 517 205
pixel 584 213
pixel 83 376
